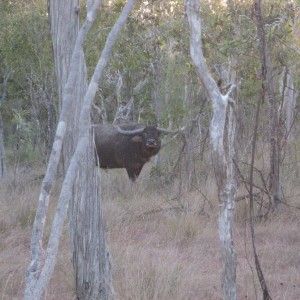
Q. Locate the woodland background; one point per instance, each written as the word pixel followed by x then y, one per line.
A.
pixel 162 230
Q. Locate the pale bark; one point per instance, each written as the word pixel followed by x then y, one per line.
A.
pixel 222 166
pixel 92 89
pixel 35 282
pixel 90 252
pixel 168 81
pixel 51 110
pixel 123 112
pixel 2 150
pixel 289 95
pixel 103 289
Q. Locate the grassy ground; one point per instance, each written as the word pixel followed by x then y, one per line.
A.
pixel 162 246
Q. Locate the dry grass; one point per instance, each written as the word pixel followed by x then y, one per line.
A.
pixel 18 198
pixel 162 246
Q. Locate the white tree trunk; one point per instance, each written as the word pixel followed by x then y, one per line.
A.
pixel 222 164
pixel 289 95
pixel 90 252
pixel 103 289
pixel 36 276
pixel 2 152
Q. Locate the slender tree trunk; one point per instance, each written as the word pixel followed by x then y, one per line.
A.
pixel 223 164
pixel 268 88
pixel 260 275
pixel 52 117
pixel 2 151
pixel 189 137
pixel 168 81
pixel 156 94
pixel 288 95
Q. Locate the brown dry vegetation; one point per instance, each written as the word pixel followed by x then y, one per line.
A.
pixel 162 247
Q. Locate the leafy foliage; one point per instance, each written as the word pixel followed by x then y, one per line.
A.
pixel 25 49
pixel 153 52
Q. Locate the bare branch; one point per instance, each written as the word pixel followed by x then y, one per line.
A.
pixel 141 84
pixel 111 39
pixel 123 112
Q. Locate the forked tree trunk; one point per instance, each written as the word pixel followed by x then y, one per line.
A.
pixel 92 260
pixel 223 164
pixel 42 262
pixel 90 252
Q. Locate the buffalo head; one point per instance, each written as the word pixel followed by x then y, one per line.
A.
pixel 148 136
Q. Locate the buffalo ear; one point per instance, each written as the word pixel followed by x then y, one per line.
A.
pixel 137 139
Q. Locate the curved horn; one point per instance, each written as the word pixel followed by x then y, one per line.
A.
pixel 129 132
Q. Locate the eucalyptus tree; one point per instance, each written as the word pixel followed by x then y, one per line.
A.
pixel 222 155
pixel 2 152
pixel 90 253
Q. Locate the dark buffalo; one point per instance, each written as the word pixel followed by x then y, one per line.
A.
pixel 127 146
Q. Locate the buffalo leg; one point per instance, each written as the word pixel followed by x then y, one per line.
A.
pixel 133 173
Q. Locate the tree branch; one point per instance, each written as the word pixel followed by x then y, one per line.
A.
pixel 66 192
pixel 33 272
pixel 222 164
